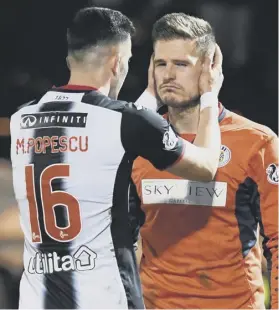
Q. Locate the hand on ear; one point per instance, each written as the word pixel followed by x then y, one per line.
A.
pixel 211 78
pixel 151 83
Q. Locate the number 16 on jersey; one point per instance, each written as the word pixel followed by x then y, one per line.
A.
pixel 49 200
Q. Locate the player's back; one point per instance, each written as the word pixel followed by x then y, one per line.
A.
pixel 70 171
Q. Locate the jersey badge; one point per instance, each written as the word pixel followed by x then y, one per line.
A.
pixel 170 139
pixel 225 156
pixel 272 174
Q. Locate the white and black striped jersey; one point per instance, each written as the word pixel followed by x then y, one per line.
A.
pixel 72 152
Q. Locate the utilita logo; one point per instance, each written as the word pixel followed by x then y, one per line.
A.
pixel 44 263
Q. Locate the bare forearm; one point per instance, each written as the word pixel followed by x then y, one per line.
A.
pixel 208 133
pixel 208 136
pixel 200 160
pixel 147 100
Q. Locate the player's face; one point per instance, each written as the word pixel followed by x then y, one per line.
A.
pixel 125 53
pixel 177 68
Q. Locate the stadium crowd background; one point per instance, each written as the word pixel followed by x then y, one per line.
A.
pixel 32 59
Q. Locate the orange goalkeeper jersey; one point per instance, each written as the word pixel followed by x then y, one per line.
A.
pixel 200 240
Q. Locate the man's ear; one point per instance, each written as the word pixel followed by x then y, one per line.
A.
pixel 68 63
pixel 115 62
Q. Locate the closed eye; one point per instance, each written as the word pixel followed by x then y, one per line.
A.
pixel 160 64
pixel 181 64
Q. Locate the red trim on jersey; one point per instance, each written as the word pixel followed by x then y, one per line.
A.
pixel 76 87
pixel 181 155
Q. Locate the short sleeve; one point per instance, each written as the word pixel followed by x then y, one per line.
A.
pixel 147 134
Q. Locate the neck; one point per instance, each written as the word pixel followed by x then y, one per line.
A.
pixel 97 81
pixel 184 120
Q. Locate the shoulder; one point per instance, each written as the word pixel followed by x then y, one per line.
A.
pixel 24 109
pixel 96 98
pixel 128 109
pixel 27 104
pixel 247 130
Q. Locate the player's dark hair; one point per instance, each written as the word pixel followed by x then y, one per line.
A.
pixel 95 26
pixel 182 26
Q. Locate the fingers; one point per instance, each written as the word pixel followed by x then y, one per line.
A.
pixel 208 59
pixel 151 64
pixel 151 83
pixel 218 58
pixel 211 78
pixel 221 78
pixel 206 64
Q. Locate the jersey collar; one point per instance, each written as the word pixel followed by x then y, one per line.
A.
pixel 75 87
pixel 222 112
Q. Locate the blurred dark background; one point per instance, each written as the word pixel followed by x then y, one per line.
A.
pixel 32 59
pixel 33 49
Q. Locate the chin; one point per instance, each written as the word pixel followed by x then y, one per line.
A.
pixel 171 98
pixel 173 102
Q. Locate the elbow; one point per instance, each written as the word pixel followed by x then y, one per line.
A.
pixel 204 175
pixel 208 165
pixel 210 169
pixel 208 175
pixel 211 174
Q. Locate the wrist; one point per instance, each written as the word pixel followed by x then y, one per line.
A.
pixel 147 100
pixel 150 89
pixel 209 100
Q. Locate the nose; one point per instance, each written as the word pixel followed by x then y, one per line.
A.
pixel 169 73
